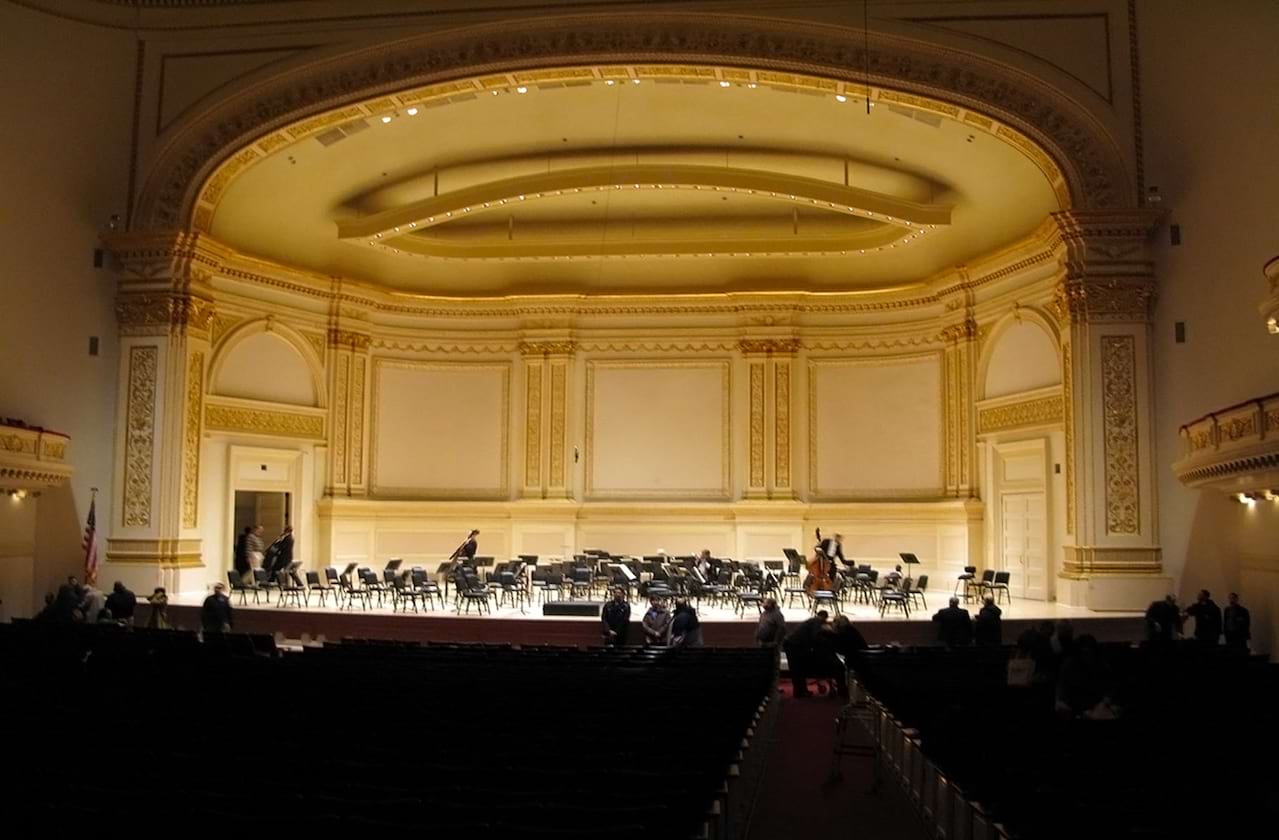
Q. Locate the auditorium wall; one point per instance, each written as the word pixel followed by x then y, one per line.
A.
pixel 65 169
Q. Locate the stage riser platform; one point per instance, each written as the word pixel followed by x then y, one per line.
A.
pixel 442 626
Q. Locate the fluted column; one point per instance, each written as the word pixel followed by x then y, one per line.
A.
pixel 1104 302
pixel 769 368
pixel 548 368
pixel 959 366
pixel 349 378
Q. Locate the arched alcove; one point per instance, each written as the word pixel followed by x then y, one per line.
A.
pixel 1023 357
pixel 261 364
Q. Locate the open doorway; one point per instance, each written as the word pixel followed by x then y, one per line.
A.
pixel 271 510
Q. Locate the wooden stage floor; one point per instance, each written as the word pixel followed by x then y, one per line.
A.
pixel 721 626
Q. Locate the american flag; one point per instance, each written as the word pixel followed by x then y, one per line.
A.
pixel 91 545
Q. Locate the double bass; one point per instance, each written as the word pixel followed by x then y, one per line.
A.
pixel 819 569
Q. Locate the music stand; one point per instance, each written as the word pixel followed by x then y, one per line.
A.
pixel 910 560
pixel 393 565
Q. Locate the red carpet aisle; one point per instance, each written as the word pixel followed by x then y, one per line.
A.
pixel 798 798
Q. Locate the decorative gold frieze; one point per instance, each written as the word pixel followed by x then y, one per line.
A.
pixel 1068 412
pixel 357 342
pixel 559 377
pixel 32 458
pixel 164 553
pixel 1036 412
pixel 259 421
pixel 1119 433
pixel 1234 449
pixel 781 424
pixel 547 348
pixel 191 443
pixel 13 442
pixel 533 425
pixel 159 314
pixel 757 425
pixel 771 346
pixel 139 436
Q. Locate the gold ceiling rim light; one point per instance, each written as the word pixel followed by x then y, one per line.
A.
pixel 791 189
pixel 443 93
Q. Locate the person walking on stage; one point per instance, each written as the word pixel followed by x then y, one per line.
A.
pixel 215 613
pixel 616 618
pixel 657 624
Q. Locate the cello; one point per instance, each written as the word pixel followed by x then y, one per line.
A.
pixel 819 569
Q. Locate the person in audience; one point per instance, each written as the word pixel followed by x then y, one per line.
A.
pixel 159 601
pixel 215 613
pixel 122 603
pixel 848 640
pixel 656 623
pixel 1207 616
pixel 66 604
pixel 686 628
pixel 1237 623
pixel 1163 620
pixel 91 603
pixel 988 631
pixel 1083 682
pixel 802 652
pixel 772 626
pixel 616 618
pixel 954 625
pixel 47 614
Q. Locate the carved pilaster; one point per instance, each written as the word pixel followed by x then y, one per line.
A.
pixel 547 365
pixel 348 381
pixel 768 365
pixel 1104 303
pixel 959 371
pixel 781 426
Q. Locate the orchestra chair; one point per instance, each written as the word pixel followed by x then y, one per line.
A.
pixel 334 583
pixel 238 585
pixel 313 584
pixel 986 582
pixel 289 589
pixel 474 592
pixel 999 586
pixel 966 581
pixel 372 586
pixel 353 592
pixel 262 580
pixel 427 588
pixel 895 599
pixel 402 593
pixel 918 590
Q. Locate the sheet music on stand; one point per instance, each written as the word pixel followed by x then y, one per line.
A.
pixel 626 571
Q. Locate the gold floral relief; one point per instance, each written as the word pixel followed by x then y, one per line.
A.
pixel 1068 412
pixel 191 443
pixel 533 425
pixel 357 420
pixel 254 421
pixel 781 424
pixel 1119 431
pixel 1039 412
pixel 139 436
pixel 340 386
pixel 559 377
pixel 757 424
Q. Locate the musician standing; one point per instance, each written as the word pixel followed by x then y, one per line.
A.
pixel 833 548
pixel 466 551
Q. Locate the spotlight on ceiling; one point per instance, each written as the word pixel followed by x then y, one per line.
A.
pixel 725 84
pixel 412 112
pixel 386 119
pixel 521 89
pixel 839 97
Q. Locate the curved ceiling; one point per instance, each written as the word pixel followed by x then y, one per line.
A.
pixel 618 180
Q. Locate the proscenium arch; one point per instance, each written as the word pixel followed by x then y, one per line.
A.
pixel 314 364
pixel 1018 315
pixel 1087 156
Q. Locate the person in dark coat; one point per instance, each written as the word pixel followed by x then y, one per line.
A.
pixel 954 625
pixel 1237 624
pixel 616 618
pixel 989 631
pixel 686 628
pixel 772 625
pixel 215 614
pixel 122 603
pixel 240 558
pixel 802 652
pixel 282 551
pixel 1207 616
pixel 1163 620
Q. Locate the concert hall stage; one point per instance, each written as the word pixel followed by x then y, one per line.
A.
pixel 721 626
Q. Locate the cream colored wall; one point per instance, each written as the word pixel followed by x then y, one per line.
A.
pixel 64 166
pixel 1210 122
pixel 264 366
pixel 1024 358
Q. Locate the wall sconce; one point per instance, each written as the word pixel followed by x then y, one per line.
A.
pixel 1251 499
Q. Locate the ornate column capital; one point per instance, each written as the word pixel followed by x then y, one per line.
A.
pixel 1108 267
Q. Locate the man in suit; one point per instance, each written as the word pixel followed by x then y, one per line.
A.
pixel 1237 624
pixel 833 548
pixel 989 629
pixel 1207 616
pixel 954 625
pixel 616 618
pixel 803 649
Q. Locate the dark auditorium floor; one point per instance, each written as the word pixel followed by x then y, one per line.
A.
pixel 798 797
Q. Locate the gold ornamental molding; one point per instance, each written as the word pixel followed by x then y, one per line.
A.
pixel 208 151
pixel 757 370
pixel 770 346
pixel 533 425
pixel 220 416
pixel 1119 433
pixel 1270 308
pixel 1109 268
pixel 139 435
pixel 32 458
pixel 559 415
pixel 1083 562
pixel 164 553
pixel 358 369
pixel 547 348
pixel 356 342
pixel 1234 449
pixel 163 313
pixel 781 424
pixel 1018 412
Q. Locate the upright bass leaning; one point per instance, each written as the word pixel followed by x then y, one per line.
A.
pixel 819 569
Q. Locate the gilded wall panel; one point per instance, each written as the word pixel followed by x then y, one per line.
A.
pixel 1036 412
pixel 757 424
pixel 533 424
pixel 191 443
pixel 341 391
pixel 781 424
pixel 255 421
pixel 559 410
pixel 1068 411
pixel 139 436
pixel 1119 430
pixel 358 366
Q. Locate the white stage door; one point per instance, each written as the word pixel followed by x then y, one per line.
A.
pixel 1024 528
